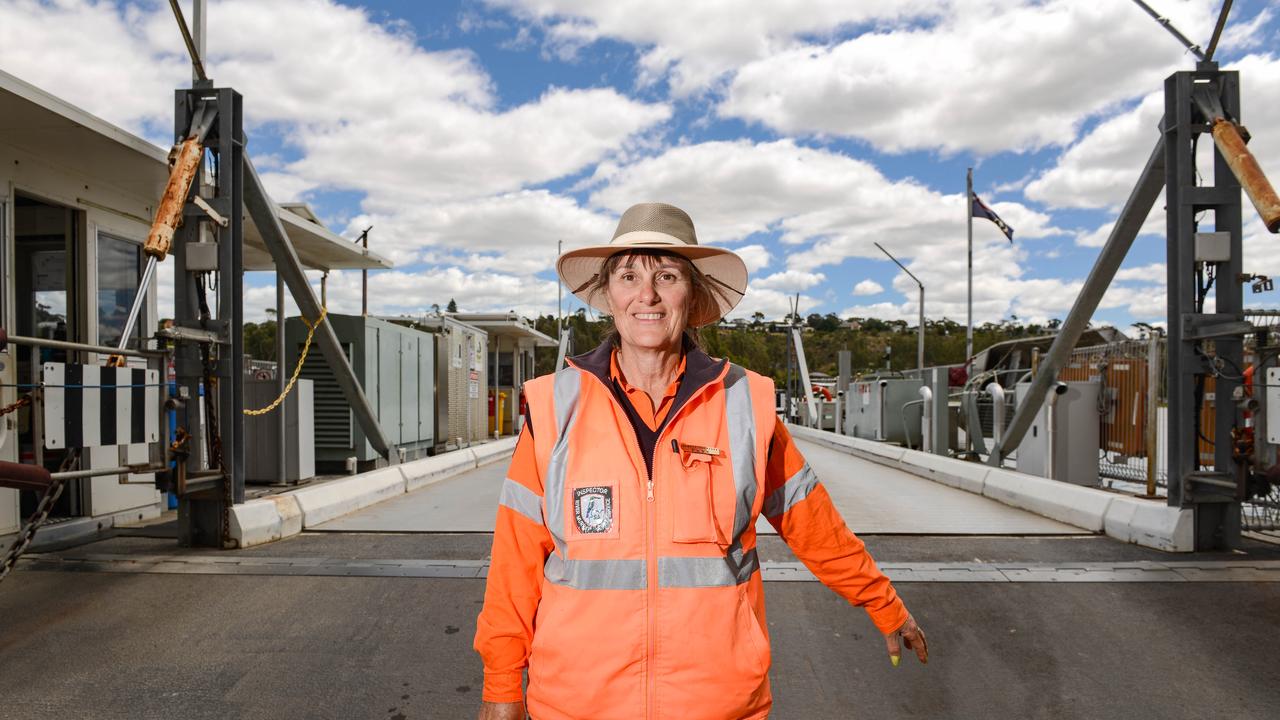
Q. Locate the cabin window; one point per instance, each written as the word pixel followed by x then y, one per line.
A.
pixel 119 272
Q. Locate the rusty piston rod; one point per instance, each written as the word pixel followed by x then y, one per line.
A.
pixel 1231 143
pixel 184 165
pixel 1226 135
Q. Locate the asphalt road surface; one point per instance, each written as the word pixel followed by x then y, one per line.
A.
pixel 100 631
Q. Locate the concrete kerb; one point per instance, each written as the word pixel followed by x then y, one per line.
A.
pixel 492 452
pixel 326 501
pixel 967 476
pixel 1072 504
pixel 280 516
pixel 265 520
pixel 956 473
pixel 1144 522
pixel 420 473
pixel 1151 524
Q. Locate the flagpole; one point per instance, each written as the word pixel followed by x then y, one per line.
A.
pixel 968 211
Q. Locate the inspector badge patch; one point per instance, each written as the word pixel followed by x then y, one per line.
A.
pixel 593 509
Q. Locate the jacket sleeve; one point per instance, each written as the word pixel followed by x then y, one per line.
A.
pixel 521 543
pixel 799 508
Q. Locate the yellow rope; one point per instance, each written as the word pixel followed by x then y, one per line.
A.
pixel 311 331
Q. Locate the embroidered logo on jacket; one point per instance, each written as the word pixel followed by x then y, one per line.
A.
pixel 593 509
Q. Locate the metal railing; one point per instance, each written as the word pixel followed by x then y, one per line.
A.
pixel 1132 450
pixel 1133 410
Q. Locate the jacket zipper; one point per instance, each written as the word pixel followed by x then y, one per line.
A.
pixel 651 539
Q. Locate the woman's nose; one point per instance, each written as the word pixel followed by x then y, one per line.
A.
pixel 648 290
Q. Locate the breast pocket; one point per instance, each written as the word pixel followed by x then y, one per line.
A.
pixel 695 517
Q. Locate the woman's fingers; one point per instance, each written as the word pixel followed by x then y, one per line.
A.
pixel 915 640
pixel 910 635
pixel 895 649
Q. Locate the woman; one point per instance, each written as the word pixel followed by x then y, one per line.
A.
pixel 624 574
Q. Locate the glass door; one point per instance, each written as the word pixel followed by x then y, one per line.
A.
pixel 45 305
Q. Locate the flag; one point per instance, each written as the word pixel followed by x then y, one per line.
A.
pixel 980 209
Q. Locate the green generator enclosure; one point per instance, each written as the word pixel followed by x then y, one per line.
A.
pixel 396 367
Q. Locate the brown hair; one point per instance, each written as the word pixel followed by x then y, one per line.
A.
pixel 702 296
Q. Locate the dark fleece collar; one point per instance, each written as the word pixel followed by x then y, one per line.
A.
pixel 699 369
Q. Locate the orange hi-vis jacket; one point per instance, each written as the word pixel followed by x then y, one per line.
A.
pixel 630 586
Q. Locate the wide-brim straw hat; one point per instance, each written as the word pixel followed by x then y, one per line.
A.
pixel 657 226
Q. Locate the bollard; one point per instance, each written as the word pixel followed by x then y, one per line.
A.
pixel 1051 429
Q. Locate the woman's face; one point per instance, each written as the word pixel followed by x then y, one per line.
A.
pixel 649 297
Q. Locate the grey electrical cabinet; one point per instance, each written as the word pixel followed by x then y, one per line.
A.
pixel 884 409
pixel 262 433
pixel 1064 446
pixel 395 366
pixel 461 407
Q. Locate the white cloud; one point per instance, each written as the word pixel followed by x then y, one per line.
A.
pixel 735 189
pixel 692 45
pixel 829 209
pixel 516 232
pixel 1046 67
pixel 1156 224
pixel 394 292
pixel 790 280
pixel 1100 170
pixel 367 108
pixel 1146 273
pixel 868 287
pixel 756 257
pixel 101 58
pixel 775 304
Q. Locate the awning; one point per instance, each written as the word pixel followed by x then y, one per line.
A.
pixel 93 150
pixel 318 247
pixel 507 325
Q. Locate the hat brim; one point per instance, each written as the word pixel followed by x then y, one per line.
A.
pixel 726 271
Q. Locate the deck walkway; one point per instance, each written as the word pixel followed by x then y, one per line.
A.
pixel 873 498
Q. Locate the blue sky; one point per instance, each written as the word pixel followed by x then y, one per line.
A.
pixel 474 134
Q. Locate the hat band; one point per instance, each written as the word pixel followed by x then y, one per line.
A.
pixel 647 237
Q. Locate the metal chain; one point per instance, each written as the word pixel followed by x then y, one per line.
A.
pixel 23 401
pixel 311 331
pixel 33 523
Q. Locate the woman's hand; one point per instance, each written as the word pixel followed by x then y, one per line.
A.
pixel 501 711
pixel 910 635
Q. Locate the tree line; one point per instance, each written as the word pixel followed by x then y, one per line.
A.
pixel 763 345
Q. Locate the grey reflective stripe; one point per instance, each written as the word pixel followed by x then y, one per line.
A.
pixel 595 574
pixel 696 572
pixel 567 386
pixel 796 488
pixel 521 499
pixel 742 446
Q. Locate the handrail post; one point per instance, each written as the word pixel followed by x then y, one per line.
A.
pixel 997 414
pixel 926 419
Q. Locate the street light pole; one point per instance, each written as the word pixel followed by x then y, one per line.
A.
pixel 920 333
pixel 364 275
pixel 968 210
pixel 559 295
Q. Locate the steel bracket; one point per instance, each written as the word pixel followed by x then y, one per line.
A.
pixel 215 209
pixel 1212 487
pixel 193 335
pixel 1207 326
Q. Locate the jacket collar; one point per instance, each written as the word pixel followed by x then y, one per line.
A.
pixel 699 370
